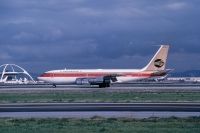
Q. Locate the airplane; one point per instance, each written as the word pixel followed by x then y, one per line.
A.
pixel 104 77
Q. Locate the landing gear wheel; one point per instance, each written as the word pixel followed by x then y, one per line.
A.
pixel 104 85
pixel 100 85
pixel 54 85
pixel 107 85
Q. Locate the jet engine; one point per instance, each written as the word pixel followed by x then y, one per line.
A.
pixel 101 81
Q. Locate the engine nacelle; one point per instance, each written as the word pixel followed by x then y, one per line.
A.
pixel 82 81
pixel 92 81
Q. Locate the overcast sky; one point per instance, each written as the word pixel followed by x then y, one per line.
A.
pixel 41 35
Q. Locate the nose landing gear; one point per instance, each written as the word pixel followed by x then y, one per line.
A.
pixel 54 85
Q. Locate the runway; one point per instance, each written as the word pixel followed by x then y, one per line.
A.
pixel 58 107
pixel 128 87
pixel 91 90
pixel 110 110
pixel 134 84
pixel 104 114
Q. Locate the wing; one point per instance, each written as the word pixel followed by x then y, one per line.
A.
pixel 98 80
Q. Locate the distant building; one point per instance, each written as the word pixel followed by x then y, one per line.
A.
pixel 184 79
pixel 14 74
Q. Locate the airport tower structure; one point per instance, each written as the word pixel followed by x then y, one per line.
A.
pixel 14 74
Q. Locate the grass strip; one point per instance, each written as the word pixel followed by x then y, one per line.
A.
pixel 99 97
pixel 99 125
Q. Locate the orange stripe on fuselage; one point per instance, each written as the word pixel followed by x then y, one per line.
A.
pixel 96 74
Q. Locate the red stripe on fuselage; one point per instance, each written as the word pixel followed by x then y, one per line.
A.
pixel 82 74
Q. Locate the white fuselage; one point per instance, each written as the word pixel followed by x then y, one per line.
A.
pixel 70 76
pixel 103 77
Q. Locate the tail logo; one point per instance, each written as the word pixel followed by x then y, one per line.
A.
pixel 158 63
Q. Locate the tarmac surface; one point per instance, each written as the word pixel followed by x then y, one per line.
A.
pixel 106 110
pixel 130 87
pixel 104 114
pixel 56 107
pixel 88 110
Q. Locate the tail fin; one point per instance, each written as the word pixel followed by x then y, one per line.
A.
pixel 158 62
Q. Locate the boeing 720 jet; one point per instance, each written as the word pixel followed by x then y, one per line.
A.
pixel 104 77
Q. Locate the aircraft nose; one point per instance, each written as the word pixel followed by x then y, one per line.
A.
pixel 39 78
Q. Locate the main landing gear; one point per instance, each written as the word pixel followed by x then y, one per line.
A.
pixel 104 85
pixel 54 85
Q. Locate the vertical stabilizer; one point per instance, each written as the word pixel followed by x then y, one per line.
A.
pixel 158 62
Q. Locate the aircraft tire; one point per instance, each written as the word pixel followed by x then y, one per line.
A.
pixel 104 85
pixel 54 85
